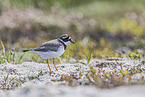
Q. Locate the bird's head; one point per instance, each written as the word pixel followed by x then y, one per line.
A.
pixel 66 39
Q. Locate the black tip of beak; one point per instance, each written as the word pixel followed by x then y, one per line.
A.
pixel 72 41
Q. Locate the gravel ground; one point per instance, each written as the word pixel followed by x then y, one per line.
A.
pixel 39 90
pixel 33 79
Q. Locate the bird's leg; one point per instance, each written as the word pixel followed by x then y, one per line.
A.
pixel 48 65
pixel 54 64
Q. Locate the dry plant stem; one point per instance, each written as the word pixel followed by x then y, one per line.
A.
pixel 48 65
pixel 54 64
pixel 2 44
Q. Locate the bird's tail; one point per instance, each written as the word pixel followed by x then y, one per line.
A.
pixel 27 50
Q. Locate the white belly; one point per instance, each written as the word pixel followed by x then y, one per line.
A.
pixel 50 54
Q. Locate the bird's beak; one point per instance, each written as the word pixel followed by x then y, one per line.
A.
pixel 72 41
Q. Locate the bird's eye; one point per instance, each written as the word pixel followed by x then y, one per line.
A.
pixel 67 38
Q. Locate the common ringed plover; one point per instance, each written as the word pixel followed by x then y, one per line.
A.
pixel 52 49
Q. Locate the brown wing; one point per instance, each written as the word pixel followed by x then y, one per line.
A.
pixel 48 46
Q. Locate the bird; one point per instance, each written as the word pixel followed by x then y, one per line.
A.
pixel 52 49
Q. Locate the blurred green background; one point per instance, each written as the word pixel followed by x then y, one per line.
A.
pixel 98 26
